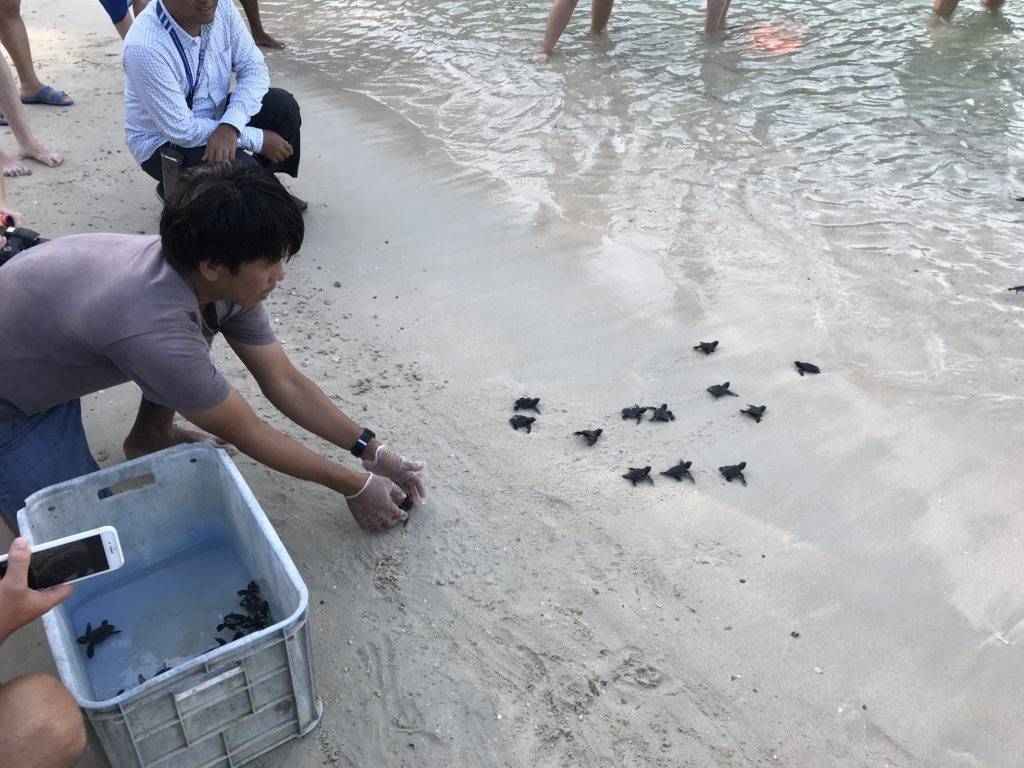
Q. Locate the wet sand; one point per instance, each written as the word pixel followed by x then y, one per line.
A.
pixel 539 611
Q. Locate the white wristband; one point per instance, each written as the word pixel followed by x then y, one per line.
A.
pixel 365 486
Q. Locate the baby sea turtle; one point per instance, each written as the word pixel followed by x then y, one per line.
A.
pixel 162 669
pixel 732 472
pixel 662 413
pixel 1017 289
pixel 518 422
pixel 141 678
pixel 635 412
pixel 234 621
pixel 527 404
pixel 639 475
pixel 806 368
pixel 721 390
pixel 680 470
pixel 407 503
pixel 94 637
pixel 707 347
pixel 755 412
pixel 590 435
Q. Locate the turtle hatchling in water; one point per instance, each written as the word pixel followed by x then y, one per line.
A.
pixel 755 412
pixel 635 412
pixel 94 637
pixel 519 422
pixel 730 473
pixel 721 390
pixel 662 413
pixel 590 435
pixel 680 470
pixel 707 347
pixel 527 404
pixel 639 475
pixel 806 368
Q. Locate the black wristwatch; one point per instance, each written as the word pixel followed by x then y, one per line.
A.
pixel 361 443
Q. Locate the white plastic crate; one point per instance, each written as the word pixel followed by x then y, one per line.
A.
pixel 192 534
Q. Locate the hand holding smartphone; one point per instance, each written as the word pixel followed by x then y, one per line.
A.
pixel 34 581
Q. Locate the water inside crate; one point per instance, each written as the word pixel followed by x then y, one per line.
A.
pixel 167 610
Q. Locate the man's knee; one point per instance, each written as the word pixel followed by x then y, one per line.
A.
pixel 40 721
pixel 282 107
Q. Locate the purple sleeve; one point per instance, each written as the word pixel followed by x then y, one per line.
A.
pixel 248 326
pixel 173 367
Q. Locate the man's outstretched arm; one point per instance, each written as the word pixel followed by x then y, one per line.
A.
pixel 302 401
pixel 370 500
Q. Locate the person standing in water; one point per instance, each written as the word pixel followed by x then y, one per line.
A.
pixel 601 11
pixel 944 8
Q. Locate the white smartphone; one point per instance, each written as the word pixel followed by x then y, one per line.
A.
pixel 73 558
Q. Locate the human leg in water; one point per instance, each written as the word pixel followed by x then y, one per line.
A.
pixel 714 15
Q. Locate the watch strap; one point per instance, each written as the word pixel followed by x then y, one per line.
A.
pixel 361 442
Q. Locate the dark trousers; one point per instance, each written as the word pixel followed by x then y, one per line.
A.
pixel 279 113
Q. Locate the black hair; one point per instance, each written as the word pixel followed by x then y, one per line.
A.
pixel 229 214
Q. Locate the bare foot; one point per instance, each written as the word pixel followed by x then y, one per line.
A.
pixel 266 41
pixel 41 154
pixel 12 166
pixel 135 446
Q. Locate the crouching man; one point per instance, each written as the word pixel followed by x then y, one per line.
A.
pixel 179 60
pixel 86 312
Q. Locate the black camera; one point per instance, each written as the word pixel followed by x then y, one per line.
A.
pixel 18 239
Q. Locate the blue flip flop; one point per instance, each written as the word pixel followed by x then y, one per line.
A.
pixel 47 95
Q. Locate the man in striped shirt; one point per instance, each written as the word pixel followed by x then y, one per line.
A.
pixel 179 57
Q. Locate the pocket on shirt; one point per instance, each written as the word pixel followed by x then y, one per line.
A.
pixel 218 77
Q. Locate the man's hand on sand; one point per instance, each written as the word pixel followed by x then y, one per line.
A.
pixel 374 507
pixel 221 145
pixel 18 604
pixel 405 473
pixel 275 149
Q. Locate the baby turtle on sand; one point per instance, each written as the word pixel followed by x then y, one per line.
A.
pixel 707 347
pixel 755 412
pixel 721 390
pixel 1017 289
pixel 406 506
pixel 590 435
pixel 94 637
pixel 527 404
pixel 518 422
pixel 141 678
pixel 639 475
pixel 636 412
pixel 806 368
pixel 736 470
pixel 162 669
pixel 662 413
pixel 680 470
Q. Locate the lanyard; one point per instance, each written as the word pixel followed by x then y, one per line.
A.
pixel 193 82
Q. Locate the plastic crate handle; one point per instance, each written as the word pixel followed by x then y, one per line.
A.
pixel 213 704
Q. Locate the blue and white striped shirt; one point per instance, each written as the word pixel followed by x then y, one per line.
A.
pixel 156 83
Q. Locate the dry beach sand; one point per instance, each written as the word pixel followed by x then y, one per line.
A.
pixel 538 611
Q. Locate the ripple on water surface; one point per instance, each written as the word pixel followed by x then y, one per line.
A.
pixel 867 139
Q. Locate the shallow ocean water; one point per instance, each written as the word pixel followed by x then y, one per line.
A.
pixel 877 159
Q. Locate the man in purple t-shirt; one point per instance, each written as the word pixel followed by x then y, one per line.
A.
pixel 91 311
pixel 86 312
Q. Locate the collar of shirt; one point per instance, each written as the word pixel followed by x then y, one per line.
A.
pixel 169 23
